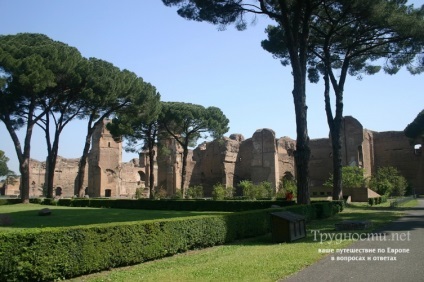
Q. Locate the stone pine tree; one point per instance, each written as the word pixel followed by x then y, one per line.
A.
pixel 62 108
pixel 294 18
pixel 4 169
pixel 355 37
pixel 415 129
pixel 107 90
pixel 32 69
pixel 139 125
pixel 187 122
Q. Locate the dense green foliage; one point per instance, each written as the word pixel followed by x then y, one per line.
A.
pixel 195 192
pixel 377 200
pixel 388 181
pixel 263 190
pixel 186 122
pixel 57 253
pixel 352 177
pixel 4 169
pixel 220 192
pixel 39 79
pixel 416 127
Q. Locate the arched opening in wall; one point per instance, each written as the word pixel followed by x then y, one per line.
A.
pixel 143 178
pixel 108 193
pixel 287 182
pixel 58 191
pixel 418 149
pixel 360 156
pixel 86 191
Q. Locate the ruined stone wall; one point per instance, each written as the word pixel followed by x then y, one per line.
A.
pixel 64 178
pixel 393 148
pixel 264 166
pixel 320 165
pixel 285 150
pixel 104 161
pixel 368 153
pixel 352 139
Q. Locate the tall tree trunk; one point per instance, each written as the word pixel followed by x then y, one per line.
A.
pixel 303 152
pixel 23 156
pixel 296 28
pixel 51 164
pixel 335 125
pixel 79 189
pixel 151 168
pixel 25 180
pixel 184 170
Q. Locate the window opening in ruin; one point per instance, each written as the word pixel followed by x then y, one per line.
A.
pixel 108 144
pixel 360 156
pixel 108 193
pixel 58 191
pixel 417 149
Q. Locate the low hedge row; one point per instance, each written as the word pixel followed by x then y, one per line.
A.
pixel 182 205
pixel 57 253
pixel 377 200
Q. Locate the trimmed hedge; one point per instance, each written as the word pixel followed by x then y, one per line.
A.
pixel 182 205
pixel 377 200
pixel 10 201
pixel 58 253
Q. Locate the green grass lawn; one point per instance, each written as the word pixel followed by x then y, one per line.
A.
pixel 256 259
pixel 23 216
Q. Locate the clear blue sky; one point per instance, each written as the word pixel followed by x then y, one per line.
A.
pixel 195 63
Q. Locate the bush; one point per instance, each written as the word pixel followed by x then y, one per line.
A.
pixel 389 182
pixel 352 177
pixel 287 188
pixel 220 192
pixel 139 193
pixel 59 253
pixel 160 193
pixel 64 252
pixel 195 192
pixel 252 192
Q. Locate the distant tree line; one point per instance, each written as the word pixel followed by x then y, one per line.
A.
pixel 48 84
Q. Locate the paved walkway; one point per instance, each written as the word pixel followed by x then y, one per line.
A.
pixel 406 233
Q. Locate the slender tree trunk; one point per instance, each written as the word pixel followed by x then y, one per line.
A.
pixel 25 180
pixel 296 28
pixel 51 164
pixel 151 168
pixel 23 156
pixel 335 125
pixel 79 189
pixel 302 153
pixel 184 170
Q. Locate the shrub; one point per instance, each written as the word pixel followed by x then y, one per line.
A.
pixel 195 192
pixel 160 193
pixel 139 193
pixel 388 181
pixel 253 192
pixel 220 192
pixel 352 177
pixel 287 187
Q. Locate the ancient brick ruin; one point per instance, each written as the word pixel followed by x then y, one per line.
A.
pixel 262 157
